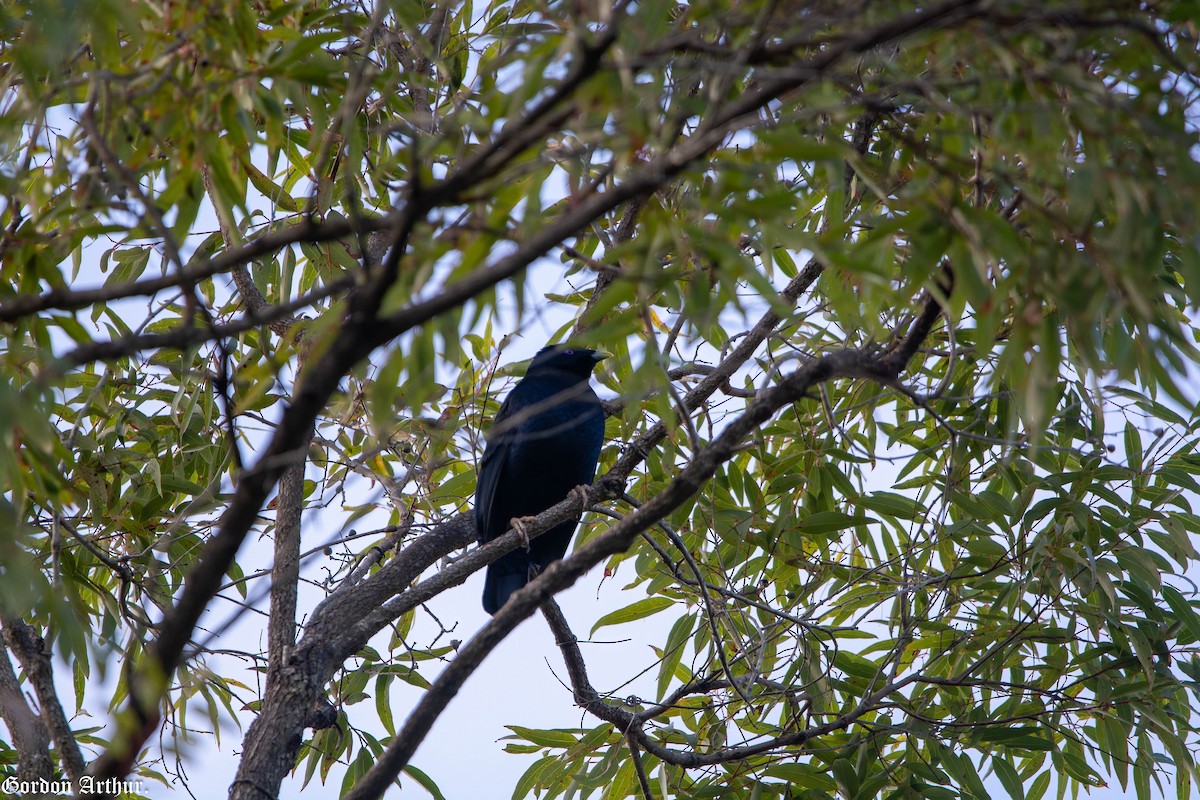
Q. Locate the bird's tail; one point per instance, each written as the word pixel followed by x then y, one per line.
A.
pixel 501 581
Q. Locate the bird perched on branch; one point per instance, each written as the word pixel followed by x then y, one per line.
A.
pixel 544 442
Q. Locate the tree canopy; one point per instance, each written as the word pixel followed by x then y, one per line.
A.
pixel 902 429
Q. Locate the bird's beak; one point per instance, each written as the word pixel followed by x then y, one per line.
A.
pixel 600 355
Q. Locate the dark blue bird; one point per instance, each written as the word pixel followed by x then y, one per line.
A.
pixel 545 441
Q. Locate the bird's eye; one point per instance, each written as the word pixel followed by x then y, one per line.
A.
pixel 569 352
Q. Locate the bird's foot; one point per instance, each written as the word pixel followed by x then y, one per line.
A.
pixel 518 524
pixel 583 494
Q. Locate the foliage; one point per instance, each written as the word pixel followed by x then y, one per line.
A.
pixel 958 242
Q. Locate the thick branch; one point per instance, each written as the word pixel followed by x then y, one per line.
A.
pixel 30 737
pixel 285 575
pixel 30 650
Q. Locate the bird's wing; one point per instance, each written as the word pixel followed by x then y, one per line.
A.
pixel 491 467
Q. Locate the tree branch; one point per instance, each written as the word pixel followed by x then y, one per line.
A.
pixel 30 650
pixel 285 574
pixel 305 230
pixel 30 736
pixel 185 336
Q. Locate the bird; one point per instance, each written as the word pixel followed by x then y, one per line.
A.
pixel 544 443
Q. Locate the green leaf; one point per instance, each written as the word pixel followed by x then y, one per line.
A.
pixel 855 665
pixel 1184 612
pixel 1007 774
pixel 529 778
pixel 383 707
pixel 673 651
pixel 639 610
pixel 893 505
pixel 803 776
pixel 425 781
pixel 1023 738
pixel 546 738
pixel 1133 446
pixel 827 522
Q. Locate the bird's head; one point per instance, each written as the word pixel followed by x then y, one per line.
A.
pixel 576 360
